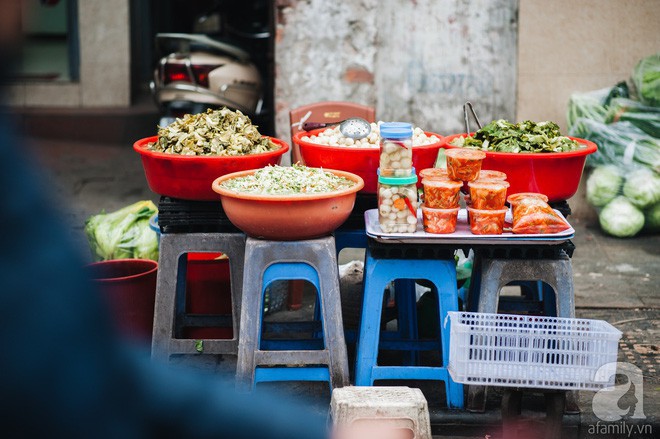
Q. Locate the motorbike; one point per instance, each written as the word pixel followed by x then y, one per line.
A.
pixel 199 72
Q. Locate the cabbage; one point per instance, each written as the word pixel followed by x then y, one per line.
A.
pixel 124 234
pixel 652 218
pixel 621 218
pixel 642 188
pixel 603 185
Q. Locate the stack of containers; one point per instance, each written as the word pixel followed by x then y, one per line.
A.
pixel 397 181
pixel 485 194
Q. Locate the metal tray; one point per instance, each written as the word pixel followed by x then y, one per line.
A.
pixel 462 235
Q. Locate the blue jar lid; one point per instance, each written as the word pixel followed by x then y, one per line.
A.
pixel 396 130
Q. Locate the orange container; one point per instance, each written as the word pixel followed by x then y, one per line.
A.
pixel 433 174
pixel 488 194
pixel 439 220
pixel 487 174
pixel 464 164
pixel 486 222
pixel 441 194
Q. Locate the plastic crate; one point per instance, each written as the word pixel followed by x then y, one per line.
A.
pixel 530 351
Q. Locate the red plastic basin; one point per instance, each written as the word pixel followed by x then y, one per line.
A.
pixel 288 217
pixel 190 177
pixel 360 160
pixel 129 289
pixel 555 174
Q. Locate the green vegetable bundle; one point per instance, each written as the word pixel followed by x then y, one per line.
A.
pixel 524 137
pixel 621 143
pixel 124 234
pixel 643 117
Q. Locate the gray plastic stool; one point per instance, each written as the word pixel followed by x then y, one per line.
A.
pixel 319 256
pixel 496 273
pixel 390 407
pixel 170 291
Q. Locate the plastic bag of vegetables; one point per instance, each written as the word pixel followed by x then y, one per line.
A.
pixel 124 234
pixel 646 77
pixel 642 116
pixel 619 143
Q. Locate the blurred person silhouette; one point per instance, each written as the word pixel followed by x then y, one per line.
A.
pixel 63 371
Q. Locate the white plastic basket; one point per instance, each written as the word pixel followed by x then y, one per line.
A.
pixel 530 351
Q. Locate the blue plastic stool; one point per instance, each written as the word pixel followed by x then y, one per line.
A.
pixel 316 359
pixel 379 272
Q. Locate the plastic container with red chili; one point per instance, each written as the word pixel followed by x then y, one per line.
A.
pixel 488 194
pixel 439 220
pixel 441 194
pixel 486 222
pixel 464 164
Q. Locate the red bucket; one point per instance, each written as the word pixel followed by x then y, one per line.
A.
pixel 129 288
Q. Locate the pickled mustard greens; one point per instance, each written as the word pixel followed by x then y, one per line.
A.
pixel 221 132
pixel 284 180
pixel 524 137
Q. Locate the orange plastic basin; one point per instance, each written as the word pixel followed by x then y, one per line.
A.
pixel 288 217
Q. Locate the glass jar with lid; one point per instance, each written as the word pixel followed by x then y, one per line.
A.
pixel 396 149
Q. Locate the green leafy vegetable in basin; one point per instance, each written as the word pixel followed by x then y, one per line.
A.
pixel 221 132
pixel 524 137
pixel 283 180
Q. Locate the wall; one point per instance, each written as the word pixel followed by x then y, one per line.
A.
pixel 104 63
pixel 579 46
pixel 413 60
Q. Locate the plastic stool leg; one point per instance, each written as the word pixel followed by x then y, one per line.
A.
pixel 251 319
pixel 164 312
pixel 565 298
pixel 475 284
pixel 406 304
pixel 448 301
pixel 489 293
pixel 369 331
